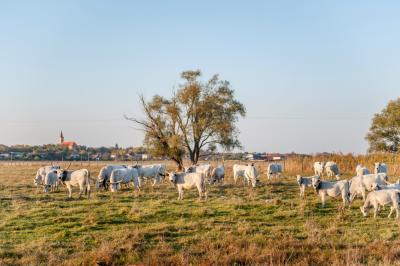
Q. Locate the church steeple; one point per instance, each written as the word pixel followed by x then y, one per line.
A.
pixel 61 138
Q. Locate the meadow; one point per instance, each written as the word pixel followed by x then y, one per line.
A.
pixel 237 225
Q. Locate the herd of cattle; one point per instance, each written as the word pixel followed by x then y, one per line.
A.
pixel 381 192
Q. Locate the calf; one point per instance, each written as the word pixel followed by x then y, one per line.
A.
pixel 187 181
pixel 303 183
pixel 332 189
pixel 379 198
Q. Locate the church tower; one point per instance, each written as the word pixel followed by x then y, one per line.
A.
pixel 61 138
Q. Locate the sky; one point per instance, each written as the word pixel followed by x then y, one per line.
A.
pixel 311 73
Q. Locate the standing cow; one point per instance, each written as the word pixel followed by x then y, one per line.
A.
pixel 319 168
pixel 124 176
pixel 331 170
pixel 76 178
pixel 153 171
pixel 104 175
pixel 239 171
pixel 41 174
pixel 274 169
pixel 188 180
pixel 206 169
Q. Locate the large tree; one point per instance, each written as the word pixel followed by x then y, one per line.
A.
pixel 198 116
pixel 384 134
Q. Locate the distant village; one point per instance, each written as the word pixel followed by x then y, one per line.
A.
pixel 72 151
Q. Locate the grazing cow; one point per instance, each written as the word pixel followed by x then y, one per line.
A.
pixel 188 180
pixel 75 178
pixel 217 174
pixel 250 175
pixel 50 181
pixel 379 198
pixel 238 171
pixel 124 176
pixel 153 171
pixel 41 173
pixel 319 168
pixel 303 183
pixel 331 169
pixel 380 168
pixel 359 185
pixel 104 175
pixel 332 189
pixel 274 169
pixel 362 170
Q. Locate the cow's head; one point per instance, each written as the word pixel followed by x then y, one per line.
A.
pixel 172 177
pixel 375 186
pixel 316 181
pixel 377 167
pixel 62 174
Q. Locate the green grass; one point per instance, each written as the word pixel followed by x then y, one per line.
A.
pixel 236 225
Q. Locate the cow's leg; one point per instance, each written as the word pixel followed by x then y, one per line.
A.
pixel 88 189
pixel 392 208
pixel 69 191
pixel 180 194
pixel 81 191
pixel 323 199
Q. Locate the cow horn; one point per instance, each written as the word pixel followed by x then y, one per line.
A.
pixel 69 166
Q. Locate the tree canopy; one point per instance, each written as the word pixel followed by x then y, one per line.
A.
pixel 384 134
pixel 198 116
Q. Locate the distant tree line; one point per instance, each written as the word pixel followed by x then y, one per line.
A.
pixel 55 152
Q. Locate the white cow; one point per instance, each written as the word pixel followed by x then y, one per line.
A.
pixel 71 179
pixel 362 170
pixel 104 175
pixel 218 174
pixel 274 169
pixel 359 185
pixel 124 176
pixel 41 173
pixel 250 175
pixel 187 181
pixel 206 169
pixel 331 169
pixel 304 182
pixel 388 185
pixel 153 171
pixel 332 189
pixel 319 168
pixel 379 198
pixel 50 181
pixel 238 171
pixel 380 168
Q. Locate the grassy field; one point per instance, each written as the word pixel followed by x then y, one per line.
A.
pixel 236 225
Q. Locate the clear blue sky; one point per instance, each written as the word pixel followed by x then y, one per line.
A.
pixel 311 73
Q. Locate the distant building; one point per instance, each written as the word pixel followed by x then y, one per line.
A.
pixel 69 144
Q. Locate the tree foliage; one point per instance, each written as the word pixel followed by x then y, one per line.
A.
pixel 198 116
pixel 384 134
